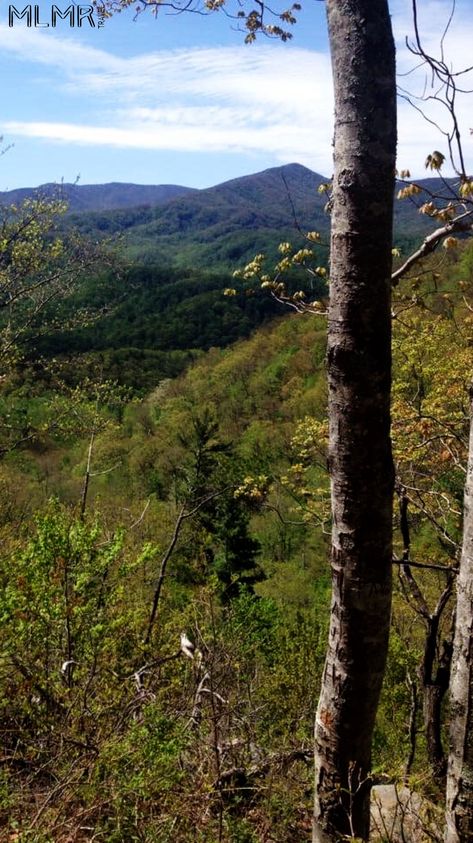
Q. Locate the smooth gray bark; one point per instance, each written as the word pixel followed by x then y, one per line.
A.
pixel 460 763
pixel 359 373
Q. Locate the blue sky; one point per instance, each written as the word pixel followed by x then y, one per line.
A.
pixel 182 100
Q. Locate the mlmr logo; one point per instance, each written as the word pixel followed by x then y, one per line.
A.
pixel 35 17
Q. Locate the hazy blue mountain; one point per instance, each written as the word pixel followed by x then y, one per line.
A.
pixel 99 197
pixel 220 227
pixel 225 225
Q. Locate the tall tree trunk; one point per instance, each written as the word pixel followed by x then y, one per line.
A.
pixel 460 762
pixel 359 372
pixel 435 686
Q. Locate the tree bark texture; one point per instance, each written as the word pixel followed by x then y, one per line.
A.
pixel 359 374
pixel 435 686
pixel 460 762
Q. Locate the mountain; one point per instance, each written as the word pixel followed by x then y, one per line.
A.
pixel 166 304
pixel 225 226
pixel 270 199
pixel 220 226
pixel 84 198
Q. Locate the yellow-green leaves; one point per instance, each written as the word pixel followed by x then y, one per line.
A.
pixel 254 490
pixel 281 278
pixel 302 255
pixel 466 188
pixel 450 243
pixel 285 248
pixel 39 269
pixel 434 161
pixel 429 209
pixel 409 191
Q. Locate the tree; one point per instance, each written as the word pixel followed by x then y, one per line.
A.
pixel 359 375
pixel 431 360
pixel 42 268
pixel 39 268
pixel 342 787
pixel 457 217
pixel 460 770
pixel 459 801
pixel 211 501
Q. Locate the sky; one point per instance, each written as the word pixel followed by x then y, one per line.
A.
pixel 182 100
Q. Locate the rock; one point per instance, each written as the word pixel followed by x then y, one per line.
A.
pixel 399 815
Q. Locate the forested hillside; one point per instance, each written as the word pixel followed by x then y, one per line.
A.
pixel 159 303
pixel 218 227
pixel 236 425
pixel 165 582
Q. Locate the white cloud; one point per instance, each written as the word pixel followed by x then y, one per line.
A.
pixel 268 74
pixel 225 100
pixel 43 47
pixel 282 140
pixel 271 99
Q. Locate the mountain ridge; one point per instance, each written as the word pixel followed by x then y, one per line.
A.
pixel 98 197
pixel 221 226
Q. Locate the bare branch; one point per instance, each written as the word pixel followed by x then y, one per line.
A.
pixel 461 223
